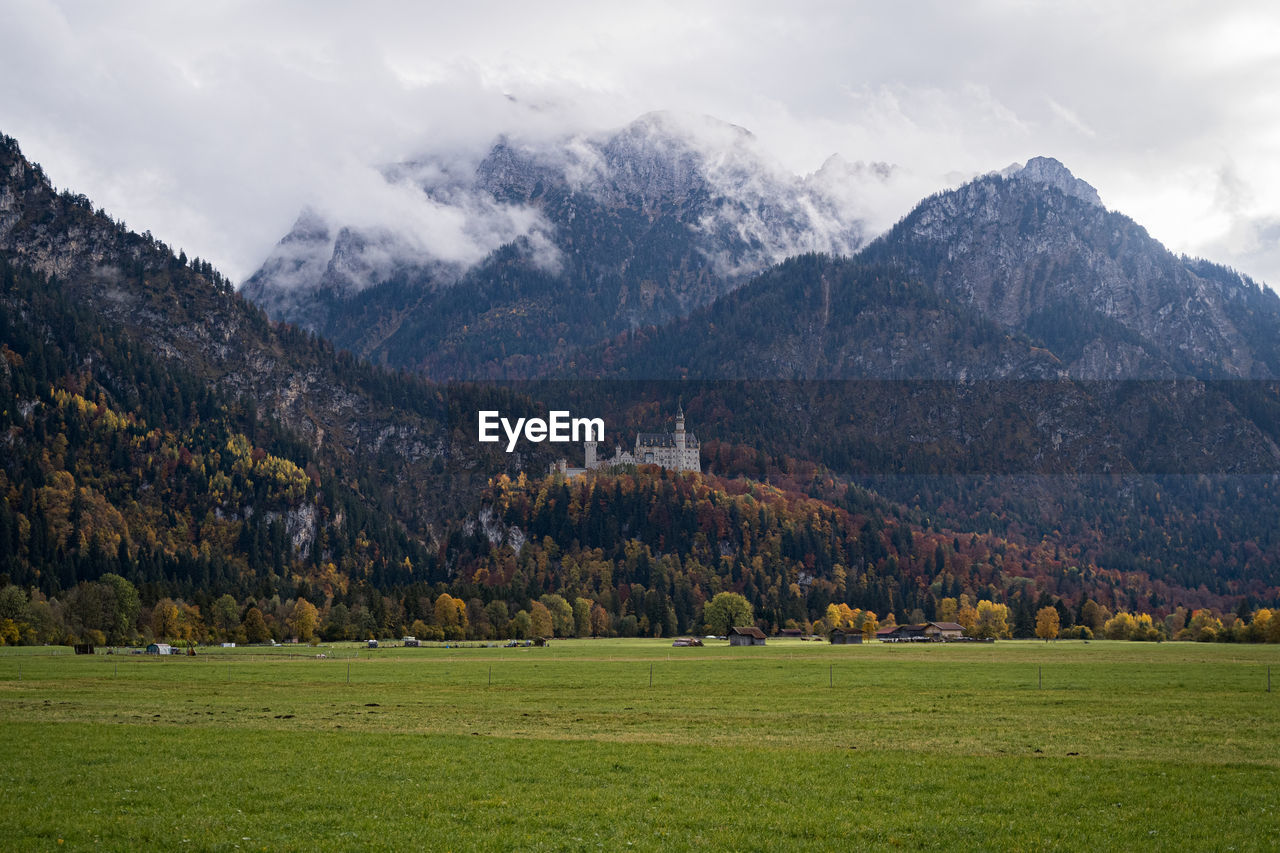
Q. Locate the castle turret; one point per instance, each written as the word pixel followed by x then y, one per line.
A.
pixel 589 455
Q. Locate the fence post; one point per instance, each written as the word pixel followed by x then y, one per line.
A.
pixel 650 675
pixel 1040 678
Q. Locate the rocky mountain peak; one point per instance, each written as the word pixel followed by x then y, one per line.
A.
pixel 1034 249
pixel 1051 172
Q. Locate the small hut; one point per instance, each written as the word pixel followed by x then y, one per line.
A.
pixel 159 649
pixel 845 636
pixel 749 636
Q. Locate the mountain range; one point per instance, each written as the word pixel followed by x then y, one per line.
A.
pixel 607 233
pixel 1013 393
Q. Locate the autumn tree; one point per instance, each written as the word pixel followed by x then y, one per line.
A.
pixel 1119 627
pixel 727 610
pixel 581 617
pixel 164 619
pixel 599 621
pixel 255 627
pixel 1047 623
pixel 451 616
pixel 869 625
pixel 993 621
pixel 303 620
pixel 843 616
pixel 1094 615
pixel 948 608
pixel 1204 627
pixel 540 622
pixel 561 614
pixel 191 627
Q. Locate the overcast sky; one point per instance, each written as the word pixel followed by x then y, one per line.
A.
pixel 213 124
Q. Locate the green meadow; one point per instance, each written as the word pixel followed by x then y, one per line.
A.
pixel 633 744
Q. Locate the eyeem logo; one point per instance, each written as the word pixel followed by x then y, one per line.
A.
pixel 559 426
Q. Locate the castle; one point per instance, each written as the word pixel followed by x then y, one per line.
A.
pixel 677 451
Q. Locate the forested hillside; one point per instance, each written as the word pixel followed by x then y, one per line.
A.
pixel 177 466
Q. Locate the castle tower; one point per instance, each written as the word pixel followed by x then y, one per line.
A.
pixel 680 437
pixel 589 455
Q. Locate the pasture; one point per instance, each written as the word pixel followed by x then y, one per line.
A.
pixel 633 744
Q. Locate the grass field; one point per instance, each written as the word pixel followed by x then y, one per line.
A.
pixel 1015 745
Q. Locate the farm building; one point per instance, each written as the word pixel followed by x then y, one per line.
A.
pixel 903 634
pixel 845 636
pixel 943 631
pixel 927 631
pixel 159 649
pixel 750 636
pixel 793 633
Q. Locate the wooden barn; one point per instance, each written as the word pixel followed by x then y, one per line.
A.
pixel 750 636
pixel 845 636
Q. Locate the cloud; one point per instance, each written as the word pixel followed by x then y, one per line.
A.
pixel 213 125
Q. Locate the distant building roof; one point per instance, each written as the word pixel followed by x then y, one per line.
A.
pixel 751 631
pixel 656 439
pixel 947 626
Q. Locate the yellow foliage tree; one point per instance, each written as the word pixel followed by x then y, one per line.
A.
pixel 993 620
pixel 948 609
pixel 303 620
pixel 540 619
pixel 1119 627
pixel 1047 623
pixel 451 616
pixel 1204 626
pixel 164 619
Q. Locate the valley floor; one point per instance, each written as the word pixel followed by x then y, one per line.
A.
pixel 1016 745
